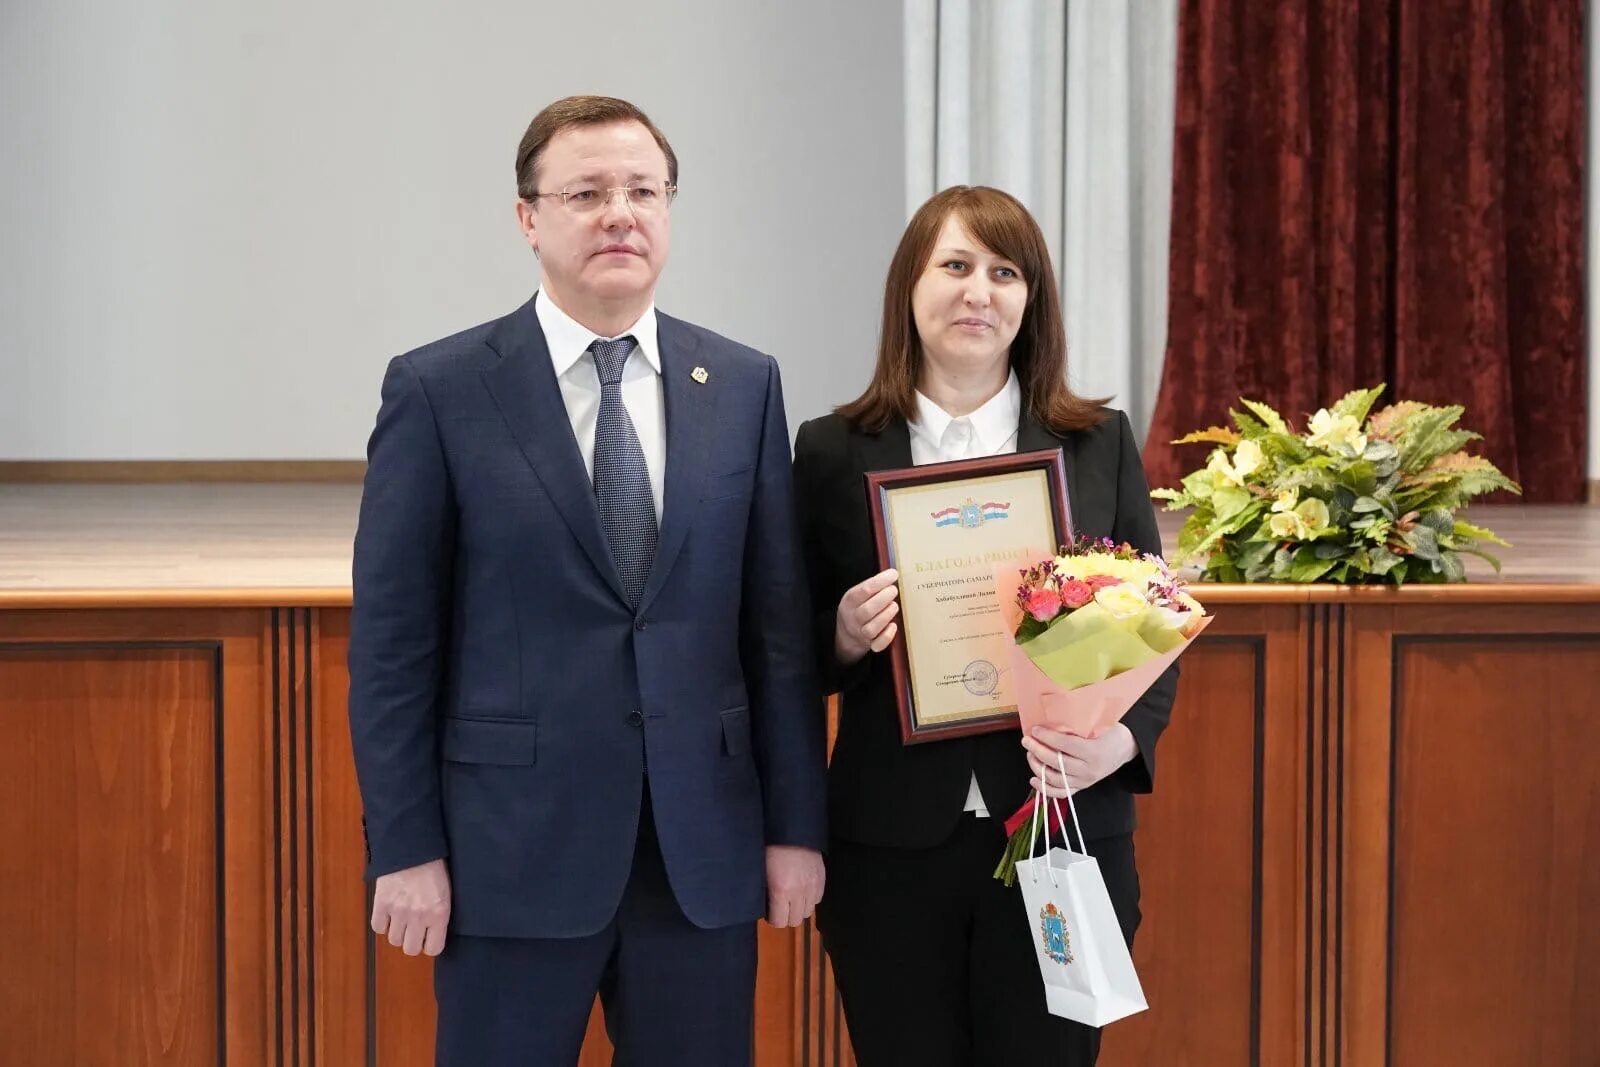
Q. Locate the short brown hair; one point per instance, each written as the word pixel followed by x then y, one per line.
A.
pixel 1039 352
pixel 579 111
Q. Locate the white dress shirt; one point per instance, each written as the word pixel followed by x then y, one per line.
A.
pixel 990 431
pixel 579 379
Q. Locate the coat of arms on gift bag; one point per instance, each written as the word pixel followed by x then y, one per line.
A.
pixel 1053 932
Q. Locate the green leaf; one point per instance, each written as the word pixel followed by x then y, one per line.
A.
pixel 1225 571
pixel 1479 533
pixel 1029 628
pixel 1366 505
pixel 1451 566
pixel 1248 426
pixel 1262 534
pixel 1314 474
pixel 1232 500
pixel 1474 483
pixel 1423 437
pixel 1492 560
pixel 1287 448
pixel 1361 476
pixel 1199 485
pixel 1377 451
pixel 1383 561
pixel 1223 528
pixel 1269 418
pixel 1424 543
pixel 1255 554
pixel 1193 532
pixel 1309 569
pixel 1446 442
pixel 1452 490
pixel 1439 520
pixel 1358 402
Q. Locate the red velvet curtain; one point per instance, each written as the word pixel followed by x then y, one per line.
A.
pixel 1381 190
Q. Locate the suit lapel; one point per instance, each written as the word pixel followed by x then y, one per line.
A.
pixel 524 388
pixel 691 423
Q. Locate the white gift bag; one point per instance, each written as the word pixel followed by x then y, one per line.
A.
pixel 1088 973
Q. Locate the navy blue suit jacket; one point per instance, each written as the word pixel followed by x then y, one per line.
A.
pixel 506 704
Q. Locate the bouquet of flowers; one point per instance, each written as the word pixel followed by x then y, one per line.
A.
pixel 1358 496
pixel 1092 629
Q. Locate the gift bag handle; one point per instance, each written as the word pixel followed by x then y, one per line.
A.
pixel 1034 820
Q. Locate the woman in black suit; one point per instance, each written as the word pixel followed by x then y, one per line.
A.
pixel 933 956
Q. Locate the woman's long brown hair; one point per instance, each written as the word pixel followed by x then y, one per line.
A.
pixel 1038 354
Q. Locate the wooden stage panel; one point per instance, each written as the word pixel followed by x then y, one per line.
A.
pixel 110 831
pixel 1195 885
pixel 1497 851
pixel 1375 837
pixel 1203 843
pixel 1474 803
pixel 137 867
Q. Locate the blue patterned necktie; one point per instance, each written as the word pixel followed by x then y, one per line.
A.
pixel 621 479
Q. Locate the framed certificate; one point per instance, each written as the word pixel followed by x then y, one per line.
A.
pixel 944 526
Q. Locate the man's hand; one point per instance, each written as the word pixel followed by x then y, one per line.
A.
pixel 413 907
pixel 794 884
pixel 1087 759
pixel 865 620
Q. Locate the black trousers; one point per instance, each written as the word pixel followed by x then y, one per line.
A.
pixel 934 957
pixel 674 995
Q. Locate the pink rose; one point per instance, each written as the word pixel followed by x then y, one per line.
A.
pixel 1043 604
pixel 1075 594
pixel 1101 581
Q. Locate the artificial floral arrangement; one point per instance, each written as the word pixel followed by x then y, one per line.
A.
pixel 1359 496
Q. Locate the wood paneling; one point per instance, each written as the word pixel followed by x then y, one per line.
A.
pixel 1218 861
pixel 343 959
pixel 1474 792
pixel 69 471
pixel 137 866
pixel 1374 841
pixel 111 842
pixel 821 1038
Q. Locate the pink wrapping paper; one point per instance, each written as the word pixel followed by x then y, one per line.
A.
pixel 1089 709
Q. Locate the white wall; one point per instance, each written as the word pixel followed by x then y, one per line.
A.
pixel 219 221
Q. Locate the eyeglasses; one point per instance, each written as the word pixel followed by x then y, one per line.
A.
pixel 642 197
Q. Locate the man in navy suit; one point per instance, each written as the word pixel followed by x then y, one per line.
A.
pixel 587 734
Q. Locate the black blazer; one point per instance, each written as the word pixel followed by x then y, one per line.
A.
pixel 881 792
